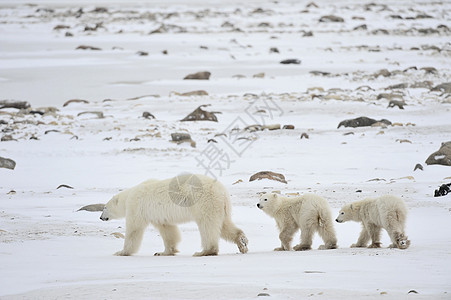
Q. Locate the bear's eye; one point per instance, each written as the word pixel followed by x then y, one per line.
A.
pixel 265 199
pixel 342 213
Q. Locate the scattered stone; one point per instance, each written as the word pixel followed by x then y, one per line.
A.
pixel 99 114
pixel 181 138
pixel 7 138
pixel 201 115
pixel 238 181
pixel 59 27
pixel 403 141
pixel 118 235
pixel 319 73
pixel 290 127
pixel 307 33
pixel 444 87
pixel 362 122
pixel 7 163
pixel 259 75
pixel 142 53
pixel 148 115
pixel 422 85
pixel 263 295
pixel 418 166
pixel 361 27
pixel 144 96
pixel 397 86
pixel 195 93
pixel 443 190
pixel 412 291
pixel 75 101
pixel 389 96
pixel 273 50
pixel 291 61
pixel 50 131
pixel 382 72
pixel 239 76
pixel 14 104
pixel 272 127
pixel 348 133
pixel 442 156
pixel 399 104
pixel 331 18
pixel 93 207
pixel 304 135
pixel 164 52
pixel 85 47
pixel 64 186
pixel 198 76
pixel 429 70
pixel 212 141
pixel 268 175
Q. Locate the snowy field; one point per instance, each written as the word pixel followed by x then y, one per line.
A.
pixel 376 53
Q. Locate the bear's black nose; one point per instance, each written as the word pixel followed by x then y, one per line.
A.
pixel 336 220
pixel 258 205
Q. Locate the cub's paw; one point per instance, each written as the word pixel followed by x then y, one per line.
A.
pixel 242 243
pixel 122 253
pixel 302 247
pixel 375 245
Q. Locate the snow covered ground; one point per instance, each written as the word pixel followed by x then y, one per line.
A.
pixel 49 250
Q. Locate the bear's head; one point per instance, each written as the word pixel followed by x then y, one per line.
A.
pixel 346 214
pixel 114 209
pixel 268 202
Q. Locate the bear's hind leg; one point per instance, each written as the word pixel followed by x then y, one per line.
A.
pixel 133 239
pixel 327 232
pixel 307 231
pixel 231 233
pixel 375 235
pixel 210 231
pixel 171 237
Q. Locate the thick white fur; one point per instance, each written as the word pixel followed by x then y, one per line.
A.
pixel 309 213
pixel 388 212
pixel 151 203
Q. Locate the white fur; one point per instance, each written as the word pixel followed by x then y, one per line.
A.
pixel 151 203
pixel 388 212
pixel 309 213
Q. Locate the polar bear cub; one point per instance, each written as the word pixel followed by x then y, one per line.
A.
pixel 309 213
pixel 166 203
pixel 388 212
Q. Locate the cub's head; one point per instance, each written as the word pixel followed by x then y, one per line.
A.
pixel 267 201
pixel 345 214
pixel 114 209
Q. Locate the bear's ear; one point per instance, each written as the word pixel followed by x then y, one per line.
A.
pixel 274 196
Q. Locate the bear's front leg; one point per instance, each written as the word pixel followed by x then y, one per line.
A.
pixel 286 236
pixel 375 235
pixel 133 239
pixel 171 237
pixel 363 238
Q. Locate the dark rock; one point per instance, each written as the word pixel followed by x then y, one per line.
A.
pixel 201 115
pixel 148 115
pixel 268 175
pixel 418 166
pixel 75 101
pixel 304 135
pixel 69 34
pixel 361 27
pixel 331 18
pixel 198 76
pixel 397 86
pixel 64 186
pixel 274 50
pixel 142 53
pixel 307 34
pixel 177 137
pixel 319 73
pixel 399 104
pixel 7 138
pixel 443 190
pixel 290 127
pixel 290 61
pixel 99 114
pixel 7 163
pixel 59 27
pixel 361 122
pixel 383 72
pixel 85 47
pixel 430 70
pixel 442 156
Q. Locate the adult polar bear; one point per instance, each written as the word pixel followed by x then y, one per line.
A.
pixel 166 203
pixel 388 212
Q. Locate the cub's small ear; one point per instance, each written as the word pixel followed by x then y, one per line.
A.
pixel 274 195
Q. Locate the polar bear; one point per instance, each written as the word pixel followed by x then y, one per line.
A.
pixel 388 212
pixel 309 213
pixel 166 203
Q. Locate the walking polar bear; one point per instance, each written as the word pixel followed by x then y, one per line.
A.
pixel 309 213
pixel 388 212
pixel 166 203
